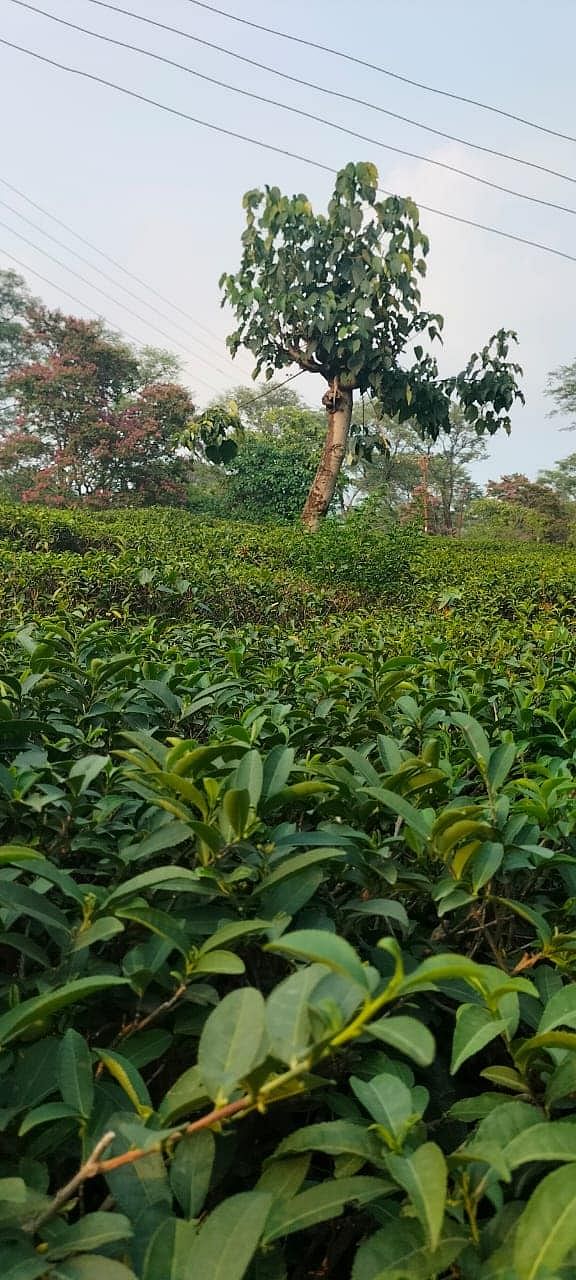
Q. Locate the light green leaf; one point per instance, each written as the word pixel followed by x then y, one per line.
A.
pixel 191 1170
pixel 324 948
pixel 159 922
pixel 407 1035
pixel 93 1231
pixel 249 776
pixel 321 1204
pixel 501 760
pixel 299 862
pixel 387 1099
pixel 475 738
pixel 219 962
pixel 548 1040
pixel 442 968
pixel 87 770
pixel 229 1238
pixel 287 1014
pixel 277 769
pixel 169 879
pixel 102 929
pixel 13 1023
pixel 74 1073
pixel 546 1230
pixel 414 818
pixel 231 1042
pixel 233 932
pixel 424 1177
pixel 553 1140
pixel 560 1010
pixel 187 1094
pixel 168 1254
pixel 89 1267
pixel 475 1028
pixel 334 1138
pixel 236 810
pixel 19 853
pixel 46 1114
pixel 283 1178
pixel 398 1251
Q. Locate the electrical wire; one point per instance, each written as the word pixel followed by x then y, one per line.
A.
pixel 306 115
pixel 269 391
pixel 79 301
pixel 384 71
pixel 320 88
pixel 108 296
pixel 143 283
pixel 269 146
pixel 105 276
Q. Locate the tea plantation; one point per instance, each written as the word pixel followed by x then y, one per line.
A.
pixel 287 903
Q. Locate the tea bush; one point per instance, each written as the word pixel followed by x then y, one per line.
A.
pixel 286 908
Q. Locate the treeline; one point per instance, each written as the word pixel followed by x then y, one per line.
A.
pixel 85 420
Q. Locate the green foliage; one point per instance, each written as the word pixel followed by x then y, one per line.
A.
pixel 350 281
pixel 319 879
pixel 271 480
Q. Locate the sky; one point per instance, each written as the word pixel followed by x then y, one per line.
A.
pixel 162 196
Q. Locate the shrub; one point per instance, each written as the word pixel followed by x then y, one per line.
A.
pixel 297 931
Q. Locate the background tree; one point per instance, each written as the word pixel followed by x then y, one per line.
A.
pixel 494 520
pixel 417 477
pixel 275 464
pixel 15 304
pixel 518 490
pixel 91 425
pixel 561 387
pixel 562 477
pixel 339 295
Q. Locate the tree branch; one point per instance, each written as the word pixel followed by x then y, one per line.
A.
pixel 87 1170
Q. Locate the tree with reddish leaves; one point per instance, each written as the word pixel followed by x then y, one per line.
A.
pixel 90 426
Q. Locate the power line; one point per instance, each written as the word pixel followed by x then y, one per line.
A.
pixel 113 261
pixel 320 88
pixel 384 71
pixel 104 275
pixel 79 301
pixel 306 115
pixel 106 295
pixel 269 146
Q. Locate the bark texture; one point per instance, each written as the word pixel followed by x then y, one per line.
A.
pixel 337 401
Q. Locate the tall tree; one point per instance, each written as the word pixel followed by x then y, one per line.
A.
pixel 91 427
pixel 338 295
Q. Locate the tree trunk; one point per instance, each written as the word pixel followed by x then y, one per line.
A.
pixel 338 404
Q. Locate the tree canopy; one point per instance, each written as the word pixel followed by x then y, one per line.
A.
pixel 339 295
pixel 90 420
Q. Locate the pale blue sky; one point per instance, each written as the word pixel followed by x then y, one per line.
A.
pixel 164 196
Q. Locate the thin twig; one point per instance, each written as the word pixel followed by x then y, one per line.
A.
pixel 205 1122
pixel 94 1166
pixel 140 1023
pixel 86 1170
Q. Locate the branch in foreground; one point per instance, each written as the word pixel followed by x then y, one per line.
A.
pixel 87 1170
